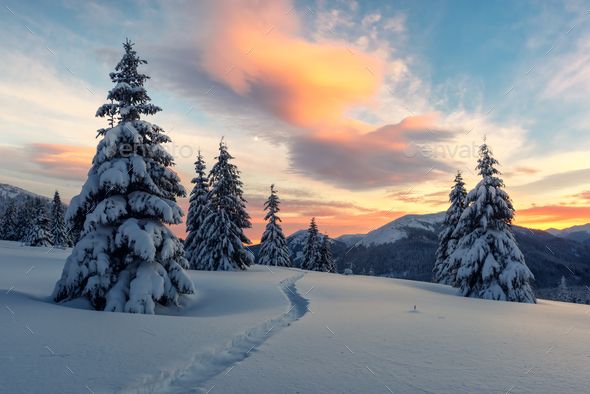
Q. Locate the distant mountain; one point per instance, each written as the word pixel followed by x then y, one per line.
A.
pixel 350 239
pixel 13 192
pixel 580 233
pixel 405 248
pixel 399 229
pixel 20 197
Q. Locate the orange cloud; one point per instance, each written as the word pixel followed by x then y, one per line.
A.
pixel 62 161
pixel 556 216
pixel 256 48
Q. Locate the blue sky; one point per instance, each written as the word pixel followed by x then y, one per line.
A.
pixel 333 93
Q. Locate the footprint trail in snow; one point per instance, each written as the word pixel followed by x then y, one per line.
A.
pixel 205 366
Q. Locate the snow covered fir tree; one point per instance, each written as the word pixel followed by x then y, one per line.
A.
pixel 444 272
pixel 325 263
pixel 197 213
pixel 127 259
pixel 222 232
pixel 311 248
pixel 273 248
pixel 59 232
pixel 491 265
pixel 39 234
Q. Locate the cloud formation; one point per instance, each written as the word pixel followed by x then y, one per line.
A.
pixel 257 63
pixel 258 50
pixel 557 181
pixel 61 161
pixel 381 157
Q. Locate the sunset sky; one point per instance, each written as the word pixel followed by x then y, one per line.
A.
pixel 359 112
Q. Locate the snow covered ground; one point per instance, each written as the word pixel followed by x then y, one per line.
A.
pixel 285 331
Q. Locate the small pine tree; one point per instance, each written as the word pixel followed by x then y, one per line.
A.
pixel 491 264
pixel 39 234
pixel 127 259
pixel 222 232
pixel 8 224
pixel 273 249
pixel 311 249
pixel 444 272
pixel 59 232
pixel 197 213
pixel 325 262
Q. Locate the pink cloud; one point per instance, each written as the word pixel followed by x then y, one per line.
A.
pixel 257 49
pixel 68 162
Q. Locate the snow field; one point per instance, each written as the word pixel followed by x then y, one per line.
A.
pixel 362 335
pixel 279 331
pixel 119 352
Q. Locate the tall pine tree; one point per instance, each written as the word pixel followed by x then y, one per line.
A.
pixel 311 249
pixel 59 232
pixel 222 232
pixel 273 247
pixel 39 234
pixel 444 272
pixel 127 259
pixel 491 265
pixel 197 213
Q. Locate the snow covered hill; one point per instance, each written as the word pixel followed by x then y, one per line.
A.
pixel 396 230
pixel 9 191
pixel 405 247
pixel 18 196
pixel 287 331
pixel 581 228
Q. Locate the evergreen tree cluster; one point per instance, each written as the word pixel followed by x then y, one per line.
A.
pixel 35 222
pixel 217 217
pixel 477 250
pixel 317 251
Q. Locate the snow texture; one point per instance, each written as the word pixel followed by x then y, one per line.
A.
pixel 362 332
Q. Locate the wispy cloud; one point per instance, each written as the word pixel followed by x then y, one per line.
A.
pixel 61 161
pixel 553 182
